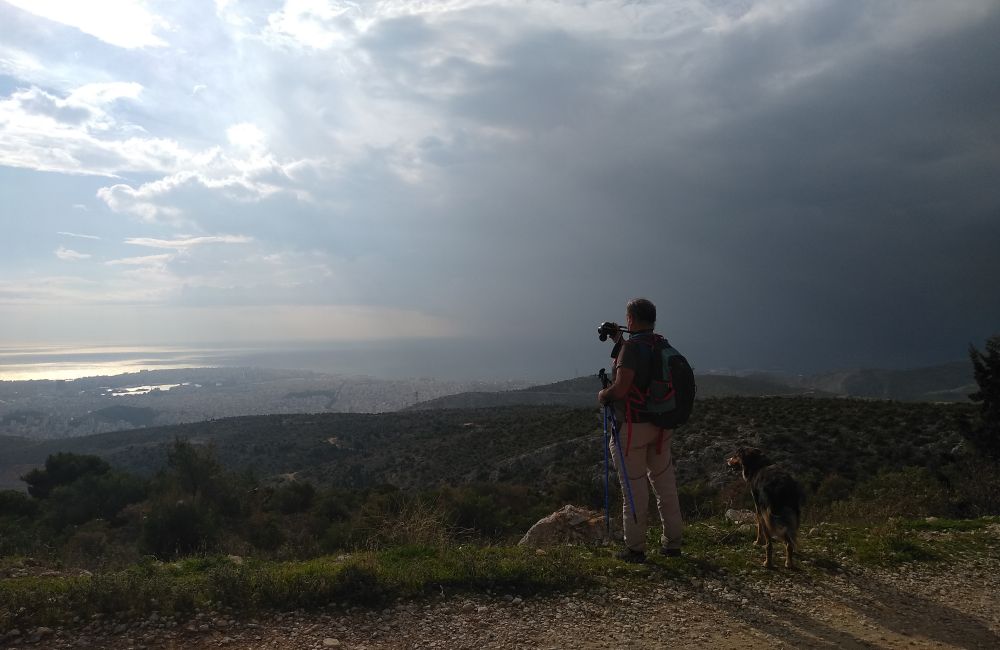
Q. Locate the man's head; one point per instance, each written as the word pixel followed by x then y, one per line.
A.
pixel 640 314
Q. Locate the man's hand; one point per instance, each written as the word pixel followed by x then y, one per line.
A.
pixel 618 390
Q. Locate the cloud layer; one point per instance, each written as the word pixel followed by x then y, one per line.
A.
pixel 796 184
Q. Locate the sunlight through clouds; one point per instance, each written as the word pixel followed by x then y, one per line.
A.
pixel 125 23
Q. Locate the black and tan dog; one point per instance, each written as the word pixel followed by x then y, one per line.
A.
pixel 777 499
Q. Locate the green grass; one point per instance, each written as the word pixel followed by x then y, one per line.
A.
pixel 712 547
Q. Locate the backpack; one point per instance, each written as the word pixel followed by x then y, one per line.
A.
pixel 669 398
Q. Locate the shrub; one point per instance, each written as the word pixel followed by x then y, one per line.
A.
pixel 292 497
pixel 94 496
pixel 911 492
pixel 62 469
pixel 264 532
pixel 14 503
pixel 179 528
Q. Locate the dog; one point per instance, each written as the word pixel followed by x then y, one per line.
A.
pixel 777 500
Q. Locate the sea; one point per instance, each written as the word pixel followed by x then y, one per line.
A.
pixel 454 359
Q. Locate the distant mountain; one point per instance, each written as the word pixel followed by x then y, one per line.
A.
pixel 951 382
pixel 582 392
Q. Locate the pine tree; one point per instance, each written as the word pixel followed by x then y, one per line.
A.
pixel 986 368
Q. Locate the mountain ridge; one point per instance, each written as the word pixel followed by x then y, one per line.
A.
pixel 950 382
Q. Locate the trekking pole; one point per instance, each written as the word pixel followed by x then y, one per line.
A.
pixel 609 412
pixel 607 471
pixel 621 455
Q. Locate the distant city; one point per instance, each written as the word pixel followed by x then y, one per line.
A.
pixel 64 408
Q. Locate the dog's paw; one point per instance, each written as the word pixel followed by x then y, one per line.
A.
pixel 768 564
pixel 760 542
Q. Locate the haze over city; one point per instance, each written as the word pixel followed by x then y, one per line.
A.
pixel 468 188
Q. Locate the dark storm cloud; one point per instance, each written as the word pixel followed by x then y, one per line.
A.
pixel 801 195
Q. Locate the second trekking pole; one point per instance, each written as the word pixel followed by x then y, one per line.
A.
pixel 609 413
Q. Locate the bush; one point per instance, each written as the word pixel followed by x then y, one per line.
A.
pixel 699 500
pixel 180 528
pixel 911 492
pixel 264 532
pixel 17 504
pixel 62 469
pixel 292 497
pixel 94 496
pixel 975 488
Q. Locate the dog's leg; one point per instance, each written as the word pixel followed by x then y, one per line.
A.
pixel 760 540
pixel 768 564
pixel 788 552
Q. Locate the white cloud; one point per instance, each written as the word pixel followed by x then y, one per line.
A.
pixel 246 136
pixel 73 234
pixel 145 260
pixel 124 198
pixel 124 23
pixel 69 255
pixel 319 24
pixel 188 242
pixel 78 134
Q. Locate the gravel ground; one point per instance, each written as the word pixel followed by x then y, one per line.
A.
pixel 924 605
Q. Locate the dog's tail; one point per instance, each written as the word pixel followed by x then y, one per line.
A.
pixel 783 524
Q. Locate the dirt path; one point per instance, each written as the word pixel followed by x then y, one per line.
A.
pixel 924 606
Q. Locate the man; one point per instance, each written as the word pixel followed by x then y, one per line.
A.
pixel 646 446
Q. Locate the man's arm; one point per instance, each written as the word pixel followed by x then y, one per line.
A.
pixel 624 376
pixel 618 390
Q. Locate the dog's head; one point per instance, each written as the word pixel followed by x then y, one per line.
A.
pixel 746 460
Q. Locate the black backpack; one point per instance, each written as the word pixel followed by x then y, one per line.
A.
pixel 669 398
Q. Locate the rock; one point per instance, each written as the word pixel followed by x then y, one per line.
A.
pixel 235 559
pixel 43 631
pixel 330 642
pixel 568 525
pixel 741 516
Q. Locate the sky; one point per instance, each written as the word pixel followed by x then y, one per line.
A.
pixel 799 185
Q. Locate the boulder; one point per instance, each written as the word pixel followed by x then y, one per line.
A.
pixel 741 516
pixel 570 525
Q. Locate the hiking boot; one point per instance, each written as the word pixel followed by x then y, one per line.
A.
pixel 632 557
pixel 670 552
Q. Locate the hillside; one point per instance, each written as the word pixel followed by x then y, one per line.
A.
pixel 540 446
pixel 946 383
pixel 950 382
pixel 582 392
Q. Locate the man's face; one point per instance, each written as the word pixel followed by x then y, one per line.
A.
pixel 629 321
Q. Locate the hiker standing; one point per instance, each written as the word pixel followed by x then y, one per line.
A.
pixel 645 444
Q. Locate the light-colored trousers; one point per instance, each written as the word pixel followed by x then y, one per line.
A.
pixel 644 466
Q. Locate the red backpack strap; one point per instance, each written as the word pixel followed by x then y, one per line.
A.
pixel 628 425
